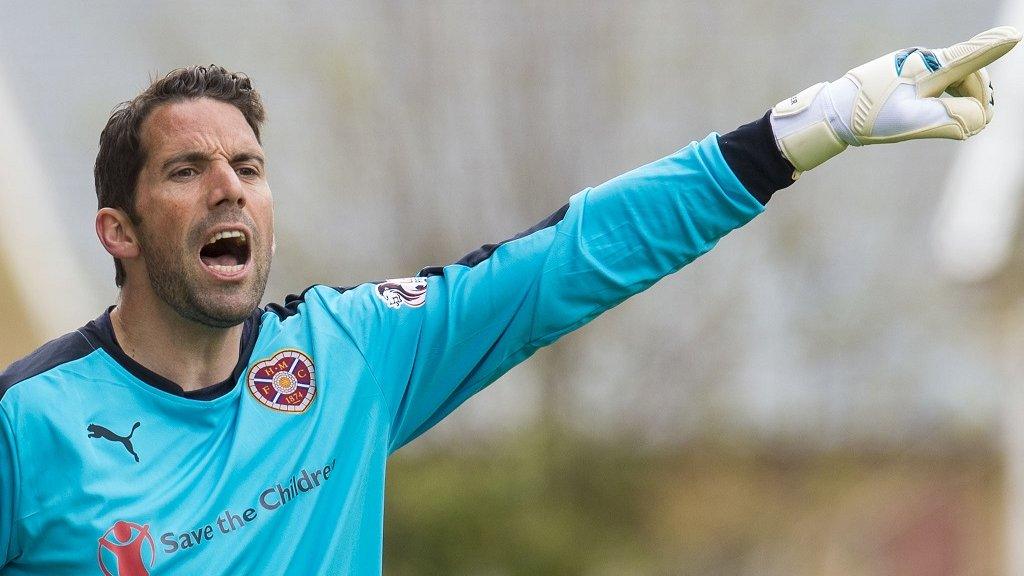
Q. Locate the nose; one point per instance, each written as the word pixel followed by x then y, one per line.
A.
pixel 225 185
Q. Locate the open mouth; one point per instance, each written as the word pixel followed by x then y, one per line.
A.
pixel 226 253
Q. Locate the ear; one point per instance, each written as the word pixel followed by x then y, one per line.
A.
pixel 116 233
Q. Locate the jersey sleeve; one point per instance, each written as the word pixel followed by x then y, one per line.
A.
pixel 432 341
pixel 8 489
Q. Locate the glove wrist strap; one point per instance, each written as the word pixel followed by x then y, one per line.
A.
pixel 803 128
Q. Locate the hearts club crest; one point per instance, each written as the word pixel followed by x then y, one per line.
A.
pixel 284 382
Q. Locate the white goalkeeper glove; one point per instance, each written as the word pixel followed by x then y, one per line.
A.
pixel 893 98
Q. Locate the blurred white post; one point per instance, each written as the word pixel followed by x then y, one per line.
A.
pixel 43 266
pixel 975 234
pixel 1013 441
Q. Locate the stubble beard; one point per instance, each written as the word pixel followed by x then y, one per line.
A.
pixel 179 283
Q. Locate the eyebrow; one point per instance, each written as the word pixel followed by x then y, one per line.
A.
pixel 195 156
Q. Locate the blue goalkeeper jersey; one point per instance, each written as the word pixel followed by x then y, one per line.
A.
pixel 108 468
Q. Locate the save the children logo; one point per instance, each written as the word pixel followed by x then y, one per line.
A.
pixel 126 549
pixel 284 382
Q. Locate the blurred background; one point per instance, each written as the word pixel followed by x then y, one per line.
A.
pixel 831 391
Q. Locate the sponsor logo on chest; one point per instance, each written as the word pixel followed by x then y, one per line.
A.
pixel 128 548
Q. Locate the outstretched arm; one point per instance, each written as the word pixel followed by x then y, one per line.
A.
pixel 434 340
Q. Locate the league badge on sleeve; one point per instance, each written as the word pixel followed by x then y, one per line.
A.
pixel 284 382
pixel 409 291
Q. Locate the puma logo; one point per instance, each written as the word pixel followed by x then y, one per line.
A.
pixel 97 431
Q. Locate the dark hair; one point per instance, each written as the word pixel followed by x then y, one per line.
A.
pixel 122 156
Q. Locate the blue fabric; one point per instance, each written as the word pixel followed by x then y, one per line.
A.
pixel 236 486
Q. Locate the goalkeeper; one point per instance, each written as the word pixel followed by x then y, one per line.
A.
pixel 189 431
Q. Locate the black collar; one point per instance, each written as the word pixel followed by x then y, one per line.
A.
pixel 102 329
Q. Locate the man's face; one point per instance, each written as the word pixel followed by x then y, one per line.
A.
pixel 206 219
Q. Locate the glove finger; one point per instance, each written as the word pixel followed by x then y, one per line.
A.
pixel 967 113
pixel 959 60
pixel 953 118
pixel 978 86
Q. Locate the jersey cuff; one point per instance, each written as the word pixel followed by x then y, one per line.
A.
pixel 751 153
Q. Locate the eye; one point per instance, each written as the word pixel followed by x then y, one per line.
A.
pixel 249 171
pixel 184 173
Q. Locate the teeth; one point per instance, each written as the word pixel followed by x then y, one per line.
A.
pixel 227 269
pixel 227 234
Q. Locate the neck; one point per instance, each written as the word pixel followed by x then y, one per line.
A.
pixel 188 353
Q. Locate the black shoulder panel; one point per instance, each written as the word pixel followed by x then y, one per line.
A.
pixel 484 252
pixel 755 159
pixel 67 348
pixel 292 301
pixel 290 306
